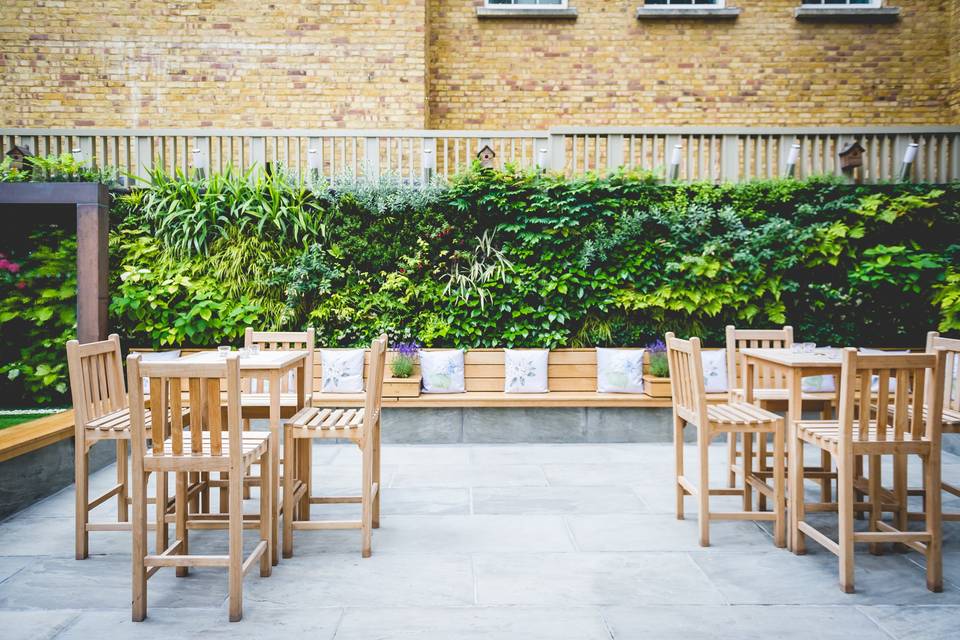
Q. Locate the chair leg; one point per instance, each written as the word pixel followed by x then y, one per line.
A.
pixel 305 461
pixel 932 483
pixel 123 510
pixel 797 499
pixel 731 459
pixel 224 492
pixel 900 488
pixel 845 508
pixel 376 475
pixel 205 492
pixel 779 474
pixel 82 497
pixel 703 491
pixel 246 487
pixel 163 533
pixel 859 495
pixel 289 471
pixel 747 453
pixel 266 508
pixel 678 458
pixel 180 532
pixel 235 569
pixel 876 502
pixel 366 498
pixel 826 490
pixel 762 466
pixel 139 534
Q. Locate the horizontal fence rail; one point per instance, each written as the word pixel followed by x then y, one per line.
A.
pixel 682 153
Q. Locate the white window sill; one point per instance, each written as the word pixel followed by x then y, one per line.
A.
pixel 849 14
pixel 520 12
pixel 674 13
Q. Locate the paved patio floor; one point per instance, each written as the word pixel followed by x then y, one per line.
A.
pixel 495 542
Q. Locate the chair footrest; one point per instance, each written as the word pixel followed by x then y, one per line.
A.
pixel 327 524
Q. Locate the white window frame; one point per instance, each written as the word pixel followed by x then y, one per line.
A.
pixel 717 4
pixel 872 4
pixel 533 7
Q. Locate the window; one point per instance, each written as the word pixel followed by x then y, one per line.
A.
pixel 680 4
pixel 529 4
pixel 867 4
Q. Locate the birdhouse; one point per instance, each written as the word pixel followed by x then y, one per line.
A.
pixel 851 156
pixel 18 153
pixel 486 156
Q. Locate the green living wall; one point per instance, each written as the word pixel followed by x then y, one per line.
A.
pixel 499 259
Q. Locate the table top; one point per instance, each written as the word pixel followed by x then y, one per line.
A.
pixel 266 360
pixel 819 358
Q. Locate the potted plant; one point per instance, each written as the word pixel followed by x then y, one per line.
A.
pixel 403 381
pixel 656 381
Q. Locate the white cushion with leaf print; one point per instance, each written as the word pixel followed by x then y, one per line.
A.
pixel 525 370
pixel 442 371
pixel 715 371
pixel 342 370
pixel 619 370
pixel 875 380
pixel 818 384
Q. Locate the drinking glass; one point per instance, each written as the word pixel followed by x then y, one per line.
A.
pixel 223 351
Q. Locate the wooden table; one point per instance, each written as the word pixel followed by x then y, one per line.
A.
pixel 272 366
pixel 794 366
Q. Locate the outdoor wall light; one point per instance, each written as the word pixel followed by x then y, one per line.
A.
pixel 675 162
pixel 542 158
pixel 792 159
pixel 429 164
pixel 77 154
pixel 909 157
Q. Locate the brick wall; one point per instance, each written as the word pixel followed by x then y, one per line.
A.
pixel 221 63
pixel 608 68
pixel 416 63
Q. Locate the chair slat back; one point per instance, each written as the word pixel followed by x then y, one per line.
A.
pixel 951 377
pixel 96 378
pixel 686 378
pixel 167 380
pixel 885 394
pixel 280 341
pixel 374 397
pixel 765 377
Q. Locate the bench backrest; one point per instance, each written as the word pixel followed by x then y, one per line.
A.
pixel 96 378
pixel 567 370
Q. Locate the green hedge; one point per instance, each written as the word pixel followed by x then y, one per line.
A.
pixel 509 259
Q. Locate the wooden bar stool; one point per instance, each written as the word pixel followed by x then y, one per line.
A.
pixel 690 408
pixel 204 447
pixel 874 424
pixel 100 414
pixel 360 426
pixel 255 399
pixel 770 392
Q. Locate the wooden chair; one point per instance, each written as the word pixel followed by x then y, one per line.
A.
pixel 203 447
pixel 950 421
pixel 100 414
pixel 360 426
pixel 255 399
pixel 690 408
pixel 770 392
pixel 875 424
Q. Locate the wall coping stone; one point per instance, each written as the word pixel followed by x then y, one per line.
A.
pixel 849 14
pixel 673 13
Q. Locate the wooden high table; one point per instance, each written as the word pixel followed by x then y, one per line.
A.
pixel 795 366
pixel 272 366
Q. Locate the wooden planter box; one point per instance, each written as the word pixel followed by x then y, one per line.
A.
pixel 656 387
pixel 401 387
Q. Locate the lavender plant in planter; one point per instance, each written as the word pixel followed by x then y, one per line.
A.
pixel 656 381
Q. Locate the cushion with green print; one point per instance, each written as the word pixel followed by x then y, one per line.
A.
pixel 619 370
pixel 442 371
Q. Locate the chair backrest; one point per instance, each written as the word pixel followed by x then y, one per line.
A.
pixel 202 395
pixel 96 378
pixel 951 374
pixel 869 401
pixel 686 378
pixel 765 377
pixel 374 397
pixel 280 340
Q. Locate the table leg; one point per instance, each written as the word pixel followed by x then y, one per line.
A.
pixel 275 461
pixel 794 415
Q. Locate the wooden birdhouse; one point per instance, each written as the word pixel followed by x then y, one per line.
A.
pixel 851 157
pixel 18 153
pixel 486 156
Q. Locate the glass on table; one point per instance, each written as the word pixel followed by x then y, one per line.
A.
pixel 223 351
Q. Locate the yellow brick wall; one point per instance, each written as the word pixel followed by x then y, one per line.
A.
pixel 417 63
pixel 220 63
pixel 607 68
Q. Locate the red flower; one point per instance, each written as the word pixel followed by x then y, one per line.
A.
pixel 13 267
pixel 22 284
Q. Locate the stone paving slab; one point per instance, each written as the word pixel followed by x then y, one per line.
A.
pixel 502 541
